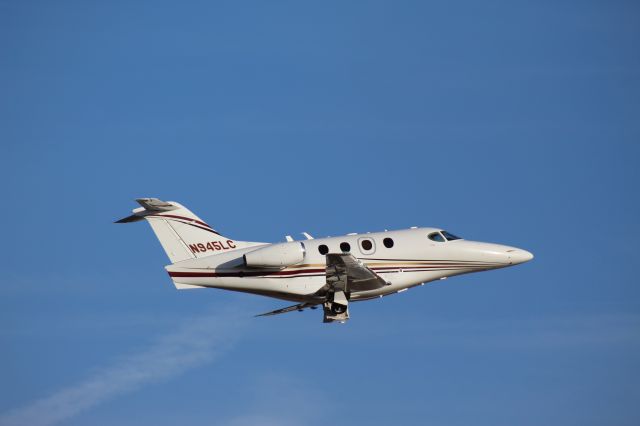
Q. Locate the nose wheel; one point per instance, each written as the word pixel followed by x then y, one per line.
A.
pixel 337 307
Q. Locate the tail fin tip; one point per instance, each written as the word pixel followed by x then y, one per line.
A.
pixel 155 204
pixel 149 206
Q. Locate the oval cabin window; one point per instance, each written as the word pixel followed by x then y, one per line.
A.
pixel 367 246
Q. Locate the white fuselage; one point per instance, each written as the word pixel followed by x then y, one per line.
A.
pixel 412 259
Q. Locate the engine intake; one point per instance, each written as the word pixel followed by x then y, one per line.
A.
pixel 275 256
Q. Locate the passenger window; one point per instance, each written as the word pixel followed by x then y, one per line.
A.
pixel 436 236
pixel 388 242
pixel 323 249
pixel 367 245
pixel 449 236
pixel 345 247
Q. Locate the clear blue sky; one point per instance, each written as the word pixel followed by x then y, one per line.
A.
pixel 511 122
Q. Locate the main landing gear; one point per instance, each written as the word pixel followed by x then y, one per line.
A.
pixel 336 308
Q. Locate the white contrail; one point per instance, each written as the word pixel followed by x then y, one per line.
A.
pixel 196 342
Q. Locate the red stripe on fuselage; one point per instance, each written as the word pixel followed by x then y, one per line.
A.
pixel 299 272
pixel 242 274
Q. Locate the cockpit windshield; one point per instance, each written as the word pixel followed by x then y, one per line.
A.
pixel 449 236
pixel 442 236
pixel 436 236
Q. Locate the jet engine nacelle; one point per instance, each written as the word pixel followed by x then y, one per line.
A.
pixel 275 256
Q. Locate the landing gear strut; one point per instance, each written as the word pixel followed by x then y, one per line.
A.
pixel 336 308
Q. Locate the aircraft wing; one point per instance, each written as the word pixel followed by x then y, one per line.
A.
pixel 299 307
pixel 346 273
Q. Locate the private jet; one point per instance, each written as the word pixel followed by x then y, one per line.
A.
pixel 323 272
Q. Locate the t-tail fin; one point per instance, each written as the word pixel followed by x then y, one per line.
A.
pixel 183 235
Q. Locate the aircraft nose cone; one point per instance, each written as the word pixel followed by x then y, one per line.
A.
pixel 517 256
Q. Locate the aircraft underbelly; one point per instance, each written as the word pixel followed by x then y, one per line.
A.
pixel 308 285
pixel 400 281
pixel 300 286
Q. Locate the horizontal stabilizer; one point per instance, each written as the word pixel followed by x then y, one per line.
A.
pixel 150 206
pixel 153 204
pixel 129 219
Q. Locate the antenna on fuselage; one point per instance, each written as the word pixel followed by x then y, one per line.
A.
pixel 307 236
pixel 289 238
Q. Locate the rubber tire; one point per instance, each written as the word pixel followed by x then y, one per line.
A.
pixel 338 309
